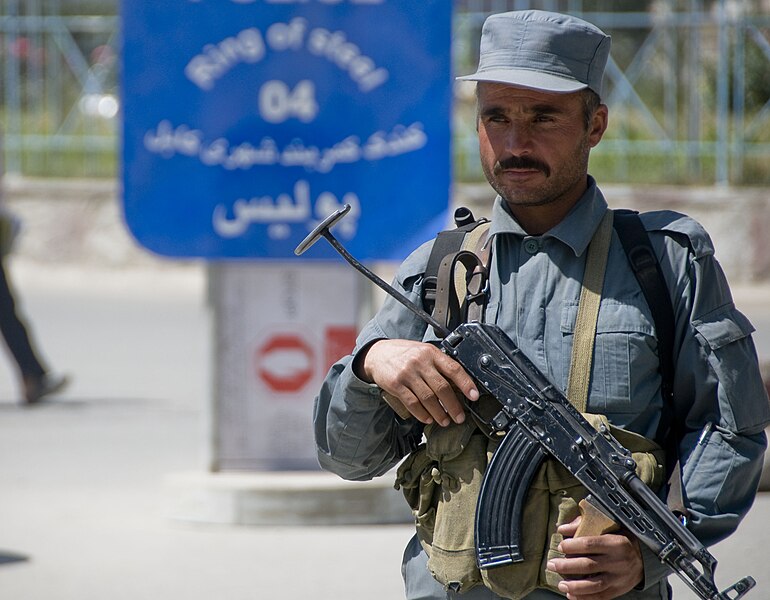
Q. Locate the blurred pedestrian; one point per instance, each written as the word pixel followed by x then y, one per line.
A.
pixel 36 380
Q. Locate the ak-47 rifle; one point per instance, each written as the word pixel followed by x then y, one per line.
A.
pixel 535 421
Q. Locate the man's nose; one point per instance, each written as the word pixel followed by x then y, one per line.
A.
pixel 518 140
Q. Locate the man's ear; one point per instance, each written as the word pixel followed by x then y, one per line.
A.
pixel 598 125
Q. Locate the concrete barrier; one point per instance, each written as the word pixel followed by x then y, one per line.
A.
pixel 283 498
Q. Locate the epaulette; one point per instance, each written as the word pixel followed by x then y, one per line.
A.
pixel 669 222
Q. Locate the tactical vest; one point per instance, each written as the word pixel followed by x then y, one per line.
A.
pixel 441 479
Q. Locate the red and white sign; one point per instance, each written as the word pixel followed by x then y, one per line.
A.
pixel 285 363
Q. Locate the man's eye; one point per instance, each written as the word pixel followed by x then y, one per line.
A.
pixel 543 119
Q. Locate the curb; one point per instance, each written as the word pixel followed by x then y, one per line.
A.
pixel 283 498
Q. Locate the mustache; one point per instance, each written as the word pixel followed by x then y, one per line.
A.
pixel 521 162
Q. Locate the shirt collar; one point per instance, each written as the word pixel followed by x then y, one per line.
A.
pixel 576 229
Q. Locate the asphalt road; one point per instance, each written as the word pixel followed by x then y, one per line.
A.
pixel 82 480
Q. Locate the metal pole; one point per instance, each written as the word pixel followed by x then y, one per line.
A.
pixel 693 80
pixel 739 97
pixel 722 155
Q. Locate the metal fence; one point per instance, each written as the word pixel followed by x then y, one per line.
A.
pixel 58 66
pixel 687 85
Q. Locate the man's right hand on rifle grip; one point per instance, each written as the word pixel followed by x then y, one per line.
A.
pixel 421 376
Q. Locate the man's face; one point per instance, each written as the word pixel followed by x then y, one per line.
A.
pixel 534 145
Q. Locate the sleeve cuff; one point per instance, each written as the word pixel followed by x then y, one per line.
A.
pixel 355 364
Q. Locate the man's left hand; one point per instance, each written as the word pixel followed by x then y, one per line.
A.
pixel 597 567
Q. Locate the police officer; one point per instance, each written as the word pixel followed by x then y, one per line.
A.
pixel 539 86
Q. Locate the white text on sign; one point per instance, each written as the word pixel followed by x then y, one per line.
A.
pixel 279 213
pixel 278 102
pixel 250 46
pixel 168 141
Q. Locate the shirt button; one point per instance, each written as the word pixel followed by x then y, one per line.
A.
pixel 532 246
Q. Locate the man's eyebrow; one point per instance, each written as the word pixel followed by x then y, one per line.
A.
pixel 551 109
pixel 535 109
pixel 491 110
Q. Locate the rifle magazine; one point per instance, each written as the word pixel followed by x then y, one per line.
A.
pixel 503 493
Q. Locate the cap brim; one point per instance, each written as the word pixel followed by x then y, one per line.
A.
pixel 528 79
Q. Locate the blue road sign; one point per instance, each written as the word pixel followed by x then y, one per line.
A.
pixel 246 122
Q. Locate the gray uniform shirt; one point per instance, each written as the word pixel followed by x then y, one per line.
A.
pixel 535 284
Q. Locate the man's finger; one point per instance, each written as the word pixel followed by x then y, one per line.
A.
pixel 448 398
pixel 427 397
pixel 583 565
pixel 593 586
pixel 568 530
pixel 458 377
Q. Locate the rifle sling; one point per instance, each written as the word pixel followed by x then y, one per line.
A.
pixel 588 315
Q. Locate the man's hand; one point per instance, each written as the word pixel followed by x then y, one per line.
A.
pixel 597 567
pixel 421 376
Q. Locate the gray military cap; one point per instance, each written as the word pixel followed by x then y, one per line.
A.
pixel 543 51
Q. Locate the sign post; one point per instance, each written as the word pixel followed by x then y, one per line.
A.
pixel 247 122
pixel 279 328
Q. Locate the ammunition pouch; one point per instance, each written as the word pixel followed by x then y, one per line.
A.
pixel 441 481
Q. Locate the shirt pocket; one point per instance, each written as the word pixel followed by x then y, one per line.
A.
pixel 625 361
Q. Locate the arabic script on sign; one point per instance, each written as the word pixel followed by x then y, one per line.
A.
pixel 168 140
pixel 283 211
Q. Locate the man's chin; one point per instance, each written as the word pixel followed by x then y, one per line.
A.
pixel 523 195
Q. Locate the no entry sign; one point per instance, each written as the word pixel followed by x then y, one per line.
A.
pixel 285 363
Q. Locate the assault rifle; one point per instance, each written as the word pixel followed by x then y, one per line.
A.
pixel 535 421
